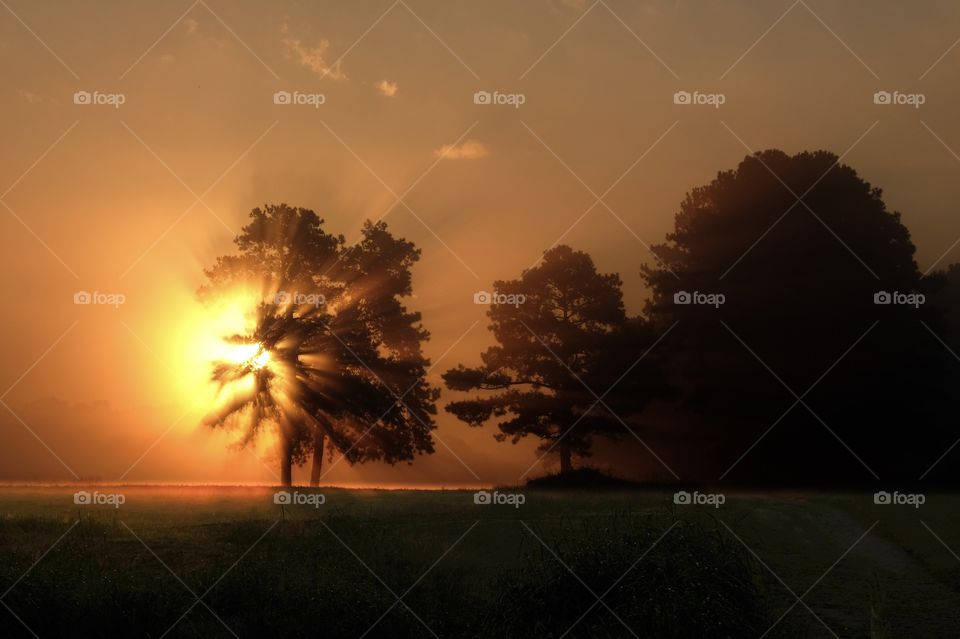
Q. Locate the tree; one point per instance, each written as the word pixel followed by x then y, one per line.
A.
pixel 804 285
pixel 947 298
pixel 562 335
pixel 334 354
pixel 947 301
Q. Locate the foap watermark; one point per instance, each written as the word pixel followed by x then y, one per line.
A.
pixel 296 498
pixel 282 298
pixel 696 498
pixel 900 99
pixel 100 298
pixel 486 498
pixel 896 298
pixel 485 298
pixel 99 98
pixel 883 498
pixel 96 498
pixel 516 100
pixel 696 298
pixel 716 100
pixel 298 98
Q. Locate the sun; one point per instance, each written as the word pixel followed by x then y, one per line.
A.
pixel 253 356
pixel 260 360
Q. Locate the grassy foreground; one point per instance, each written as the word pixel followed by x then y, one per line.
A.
pixel 220 562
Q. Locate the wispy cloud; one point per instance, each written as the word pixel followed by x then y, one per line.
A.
pixel 312 57
pixel 388 88
pixel 29 96
pixel 469 150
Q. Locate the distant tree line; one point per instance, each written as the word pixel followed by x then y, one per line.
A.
pixel 796 332
pixel 787 326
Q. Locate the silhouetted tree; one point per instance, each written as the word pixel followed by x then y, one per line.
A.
pixel 947 301
pixel 800 286
pixel 562 335
pixel 340 356
pixel 947 298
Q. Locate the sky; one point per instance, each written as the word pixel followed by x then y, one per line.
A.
pixel 138 136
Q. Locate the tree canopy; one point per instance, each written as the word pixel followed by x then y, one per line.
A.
pixel 563 368
pixel 818 358
pixel 345 354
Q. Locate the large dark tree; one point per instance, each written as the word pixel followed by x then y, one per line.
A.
pixel 339 356
pixel 800 280
pixel 947 298
pixel 563 339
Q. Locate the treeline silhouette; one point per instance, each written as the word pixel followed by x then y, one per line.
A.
pixel 788 337
pixel 788 327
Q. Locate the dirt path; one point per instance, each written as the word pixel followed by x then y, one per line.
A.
pixel 877 590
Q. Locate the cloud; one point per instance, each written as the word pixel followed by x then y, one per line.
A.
pixel 313 58
pixel 469 150
pixel 29 96
pixel 191 25
pixel 649 8
pixel 388 88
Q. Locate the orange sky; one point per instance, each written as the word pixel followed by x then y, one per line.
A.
pixel 137 200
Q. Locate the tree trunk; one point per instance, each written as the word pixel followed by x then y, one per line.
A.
pixel 286 459
pixel 566 458
pixel 318 439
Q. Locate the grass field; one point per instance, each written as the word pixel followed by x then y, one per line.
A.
pixel 212 562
